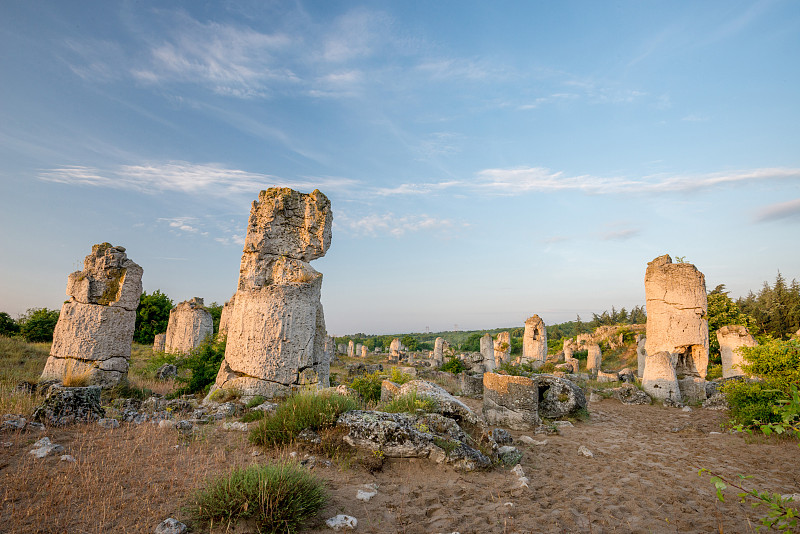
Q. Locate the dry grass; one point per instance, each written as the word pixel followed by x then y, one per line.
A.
pixel 19 361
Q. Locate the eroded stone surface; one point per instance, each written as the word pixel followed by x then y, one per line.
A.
pixel 641 355
pixel 67 405
pixel 510 401
pixel 487 351
pixel 660 380
pixel 534 340
pixel 731 338
pixel 159 342
pixel 190 323
pixel 558 397
pixel 502 348
pixel 594 358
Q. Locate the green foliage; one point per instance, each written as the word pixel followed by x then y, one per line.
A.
pixel 409 403
pixel 473 343
pixel 256 401
pixel 780 515
pixel 255 415
pixel 777 362
pixel 152 316
pixel 368 386
pixel 38 325
pixel 410 343
pixel 216 314
pixel 722 311
pixel 752 403
pixel 775 309
pixel 454 365
pixel 399 377
pixel 8 326
pixel 204 363
pixel 509 368
pixel 714 371
pixel 279 498
pixel 304 410
pixel 789 412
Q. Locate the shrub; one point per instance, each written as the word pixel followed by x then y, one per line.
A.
pixel 399 377
pixel 368 386
pixel 38 324
pixel 454 365
pixel 256 401
pixel 305 410
pixel 752 403
pixel 152 316
pixel 8 326
pixel 777 362
pixel 203 362
pixel 409 403
pixel 278 497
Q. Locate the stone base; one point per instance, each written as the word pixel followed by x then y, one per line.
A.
pixel 471 386
pixel 104 373
pixel 692 389
pixel 510 401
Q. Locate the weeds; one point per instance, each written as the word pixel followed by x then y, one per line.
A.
pixel 368 386
pixel 409 403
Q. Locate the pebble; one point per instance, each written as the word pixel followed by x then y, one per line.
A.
pixel 342 522
pixel 586 452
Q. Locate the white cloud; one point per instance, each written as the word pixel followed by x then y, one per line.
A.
pixel 389 224
pixel 181 223
pixel 781 210
pixel 183 177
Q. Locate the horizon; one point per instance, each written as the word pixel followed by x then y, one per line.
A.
pixel 484 163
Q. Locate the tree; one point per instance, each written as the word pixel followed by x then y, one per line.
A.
pixel 216 314
pixel 38 325
pixel 722 311
pixel 409 342
pixel 152 316
pixel 8 326
pixel 473 343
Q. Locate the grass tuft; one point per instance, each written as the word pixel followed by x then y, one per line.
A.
pixel 409 403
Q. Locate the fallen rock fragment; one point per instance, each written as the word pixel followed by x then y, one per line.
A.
pixel 342 522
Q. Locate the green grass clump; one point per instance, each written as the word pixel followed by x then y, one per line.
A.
pixel 255 415
pixel 454 365
pixel 399 377
pixel 368 386
pixel 278 497
pixel 409 403
pixel 304 410
pixel 752 403
pixel 256 401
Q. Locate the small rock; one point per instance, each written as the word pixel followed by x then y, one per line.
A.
pixel 686 409
pixel 166 423
pixel 562 424
pixel 235 425
pixel 342 522
pixel 509 455
pixel 68 458
pixel 256 453
pixel 527 440
pixel 670 402
pixel 717 401
pixel 501 436
pixel 171 526
pixel 795 497
pixel 31 426
pixel 44 447
pixel 267 407
pixel 366 494
pixel 293 454
pixel 166 372
pixel 309 436
pixel 13 422
pixel 7 444
pixel 184 425
pixel 586 452
pixel 595 397
pixel 720 433
pixel 108 423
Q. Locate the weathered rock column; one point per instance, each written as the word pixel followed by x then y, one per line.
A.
pixel 438 351
pixel 534 341
pixel 659 380
pixel 487 351
pixel 93 336
pixel 502 348
pixel 276 330
pixel 731 338
pixel 677 322
pixel 364 352
pixel 190 323
pixel 159 342
pixel 351 348
pixel 225 316
pixel 594 358
pixel 394 349
pixel 641 355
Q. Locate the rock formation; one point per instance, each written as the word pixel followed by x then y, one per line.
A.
pixel 677 321
pixel 190 323
pixel 534 341
pixel 731 338
pixel 276 330
pixel 487 351
pixel 225 316
pixel 641 355
pixel 351 348
pixel 594 358
pixel 502 348
pixel 93 336
pixel 659 380
pixel 159 342
pixel 438 351
pixel 394 349
pixel 510 401
pixel 359 350
pixel 364 352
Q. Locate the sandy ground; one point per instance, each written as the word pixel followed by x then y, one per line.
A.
pixel 642 478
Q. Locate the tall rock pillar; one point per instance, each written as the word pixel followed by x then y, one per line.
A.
pixel 534 342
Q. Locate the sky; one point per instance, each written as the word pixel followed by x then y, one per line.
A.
pixel 485 161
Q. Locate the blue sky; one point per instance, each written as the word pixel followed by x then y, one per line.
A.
pixel 485 160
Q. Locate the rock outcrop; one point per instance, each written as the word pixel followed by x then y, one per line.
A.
pixel 351 348
pixel 660 380
pixel 731 338
pixel 93 336
pixel 558 397
pixel 534 341
pixel 438 351
pixel 677 321
pixel 502 348
pixel 446 404
pixel 594 358
pixel 641 355
pixel 394 349
pixel 510 401
pixel 276 330
pixel 159 342
pixel 487 351
pixel 225 316
pixel 68 405
pixel 190 324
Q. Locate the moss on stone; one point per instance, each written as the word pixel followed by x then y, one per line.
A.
pixel 113 282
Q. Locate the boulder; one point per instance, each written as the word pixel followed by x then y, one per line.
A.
pixel 67 405
pixel 558 397
pixel 660 380
pixel 487 351
pixel 607 376
pixel 446 404
pixel 471 386
pixel 190 324
pixel 630 394
pixel 510 401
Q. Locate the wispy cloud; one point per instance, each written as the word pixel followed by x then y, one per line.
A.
pixel 183 224
pixel 183 177
pixel 397 226
pixel 694 118
pixel 622 234
pixel 782 210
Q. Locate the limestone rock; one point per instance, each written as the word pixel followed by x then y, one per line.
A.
pixel 502 348
pixel 93 335
pixel 558 397
pixel 660 380
pixel 225 316
pixel 190 323
pixel 731 338
pixel 438 351
pixel 342 522
pixel 44 447
pixel 676 318
pixel 641 355
pixel 64 406
pixel 167 372
pixel 351 349
pixel 717 401
pixel 171 526
pixel 594 358
pixel 471 386
pixel 487 351
pixel 446 404
pixel 607 376
pixel 159 342
pixel 510 401
pixel 630 394
pixel 534 340
pixel 394 349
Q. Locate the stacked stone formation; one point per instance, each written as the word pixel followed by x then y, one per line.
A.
pixel 190 324
pixel 534 341
pixel 276 329
pixel 159 342
pixel 93 336
pixel 677 321
pixel 487 351
pixel 731 338
pixel 660 380
pixel 502 348
pixel 594 358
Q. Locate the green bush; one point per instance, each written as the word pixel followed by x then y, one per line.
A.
pixel 38 325
pixel 752 403
pixel 152 316
pixel 8 326
pixel 204 363
pixel 777 362
pixel 368 386
pixel 279 498
pixel 314 411
pixel 409 403
pixel 454 365
pixel 399 377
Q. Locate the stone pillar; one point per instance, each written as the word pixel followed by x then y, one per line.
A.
pixel 659 380
pixel 502 348
pixel 569 345
pixel 93 336
pixel 731 338
pixel 676 321
pixel 534 341
pixel 225 316
pixel 394 349
pixel 641 355
pixel 359 352
pixel 438 351
pixel 190 323
pixel 364 351
pixel 276 330
pixel 487 351
pixel 594 359
pixel 351 348
pixel 340 348
pixel 159 342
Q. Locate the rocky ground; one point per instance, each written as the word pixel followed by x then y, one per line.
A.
pixel 641 477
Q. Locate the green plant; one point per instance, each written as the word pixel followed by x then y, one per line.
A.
pixel 368 386
pixel 752 403
pixel 38 324
pixel 777 362
pixel 8 326
pixel 256 401
pixel 278 497
pixel 255 415
pixel 314 411
pixel 152 316
pixel 714 371
pixel 204 363
pixel 409 403
pixel 454 365
pixel 779 517
pixel 399 377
